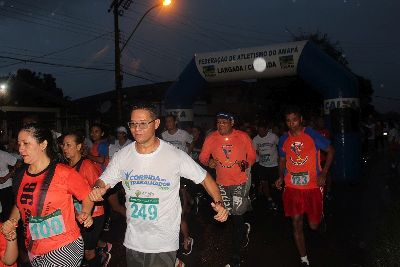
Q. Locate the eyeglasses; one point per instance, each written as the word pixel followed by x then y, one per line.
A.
pixel 142 125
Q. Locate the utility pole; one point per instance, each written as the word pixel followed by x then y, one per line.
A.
pixel 117 54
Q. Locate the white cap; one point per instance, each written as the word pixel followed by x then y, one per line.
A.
pixel 122 129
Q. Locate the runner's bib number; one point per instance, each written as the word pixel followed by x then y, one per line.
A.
pixel 264 158
pixel 300 178
pixel 48 226
pixel 144 208
pixel 78 206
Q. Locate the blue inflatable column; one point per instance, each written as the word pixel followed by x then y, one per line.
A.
pixel 341 105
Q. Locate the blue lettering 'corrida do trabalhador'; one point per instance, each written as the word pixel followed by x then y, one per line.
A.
pixel 146 179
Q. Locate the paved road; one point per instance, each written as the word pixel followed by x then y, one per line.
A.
pixel 352 217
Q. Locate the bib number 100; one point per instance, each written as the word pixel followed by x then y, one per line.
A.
pixel 45 227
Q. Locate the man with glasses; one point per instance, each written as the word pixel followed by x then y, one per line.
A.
pixel 231 153
pixel 150 172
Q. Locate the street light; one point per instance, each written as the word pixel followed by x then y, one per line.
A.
pixel 163 3
pixel 118 77
pixel 3 88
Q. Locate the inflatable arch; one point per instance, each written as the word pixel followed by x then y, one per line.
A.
pixel 338 86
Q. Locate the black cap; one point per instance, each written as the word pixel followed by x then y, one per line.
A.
pixel 224 115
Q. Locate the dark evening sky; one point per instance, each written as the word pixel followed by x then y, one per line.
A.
pixel 80 33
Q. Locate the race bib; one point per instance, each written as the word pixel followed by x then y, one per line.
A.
pixel 145 209
pixel 78 206
pixel 300 178
pixel 48 226
pixel 264 158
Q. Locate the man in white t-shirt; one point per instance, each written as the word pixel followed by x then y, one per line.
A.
pixel 6 193
pixel 121 141
pixel 182 140
pixel 177 137
pixel 150 171
pixel 266 146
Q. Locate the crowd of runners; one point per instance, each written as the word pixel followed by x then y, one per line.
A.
pixel 57 191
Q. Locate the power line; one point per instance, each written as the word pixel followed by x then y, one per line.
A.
pixel 63 49
pixel 88 23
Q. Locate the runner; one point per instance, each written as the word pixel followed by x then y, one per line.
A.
pixel 266 145
pixel 98 153
pixel 72 147
pixel 304 180
pixel 6 194
pixel 122 141
pixel 150 170
pixel 182 140
pixel 175 136
pixel 44 202
pixel 232 155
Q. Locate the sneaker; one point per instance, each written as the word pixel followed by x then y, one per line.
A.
pixel 188 246
pixel 247 238
pixel 105 259
pixel 107 248
pixel 179 263
pixel 233 265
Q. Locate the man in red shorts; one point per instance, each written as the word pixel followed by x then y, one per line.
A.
pixel 301 172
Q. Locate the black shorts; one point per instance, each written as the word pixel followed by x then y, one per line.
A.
pixel 92 234
pixel 267 174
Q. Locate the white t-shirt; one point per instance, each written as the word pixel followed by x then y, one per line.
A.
pixel 178 139
pixel 5 160
pixel 113 148
pixel 267 148
pixel 151 183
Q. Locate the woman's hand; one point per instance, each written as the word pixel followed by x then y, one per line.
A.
pixel 85 219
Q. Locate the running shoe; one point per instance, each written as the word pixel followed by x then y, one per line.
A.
pixel 179 263
pixel 105 259
pixel 107 248
pixel 247 238
pixel 188 246
pixel 233 264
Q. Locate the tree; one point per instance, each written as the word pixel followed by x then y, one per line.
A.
pixel 334 50
pixel 33 89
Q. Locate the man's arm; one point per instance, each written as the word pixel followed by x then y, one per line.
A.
pixel 205 153
pixel 212 189
pixel 330 152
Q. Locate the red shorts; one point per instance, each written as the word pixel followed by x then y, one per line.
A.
pixel 301 201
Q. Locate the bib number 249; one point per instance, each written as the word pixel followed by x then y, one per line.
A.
pixel 144 208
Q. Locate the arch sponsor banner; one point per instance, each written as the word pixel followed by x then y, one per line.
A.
pixel 333 103
pixel 280 60
pixel 181 114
